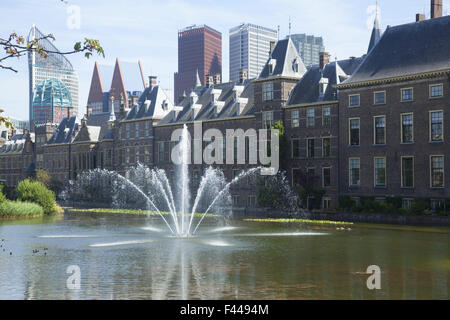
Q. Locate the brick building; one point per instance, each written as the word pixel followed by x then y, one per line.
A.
pixel 370 126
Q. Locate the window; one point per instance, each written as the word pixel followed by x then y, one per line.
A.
pixel 407 203
pixel 127 127
pixel 326 147
pixel 268 91
pixel 235 200
pixel 354 172
pixel 326 117
pixel 137 129
pixel 379 97
pixel 353 100
pixel 407 94
pixel 295 118
pixel 236 173
pixel 161 153
pixel 436 91
pixel 380 172
pixel 147 128
pixel 436 126
pixel 326 203
pixel 251 201
pixel 295 148
pixel 437 171
pixel 354 132
pixel 407 128
pixel 267 119
pixel 310 118
pixel 407 172
pixel 380 130
pixel 310 148
pixel 326 177
pixel 437 204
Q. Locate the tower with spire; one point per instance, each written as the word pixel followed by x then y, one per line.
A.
pixel 376 31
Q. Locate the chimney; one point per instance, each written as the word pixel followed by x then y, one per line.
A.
pixel 324 59
pixel 420 17
pixel 217 78
pixel 243 74
pixel 152 81
pixel 89 110
pixel 436 9
pixel 272 46
pixel 209 80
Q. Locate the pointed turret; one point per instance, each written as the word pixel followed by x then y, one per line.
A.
pixel 376 31
pixel 198 83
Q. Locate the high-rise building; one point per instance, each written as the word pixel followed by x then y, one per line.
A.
pixel 51 102
pixel 54 66
pixel 249 49
pixel 309 48
pixel 199 51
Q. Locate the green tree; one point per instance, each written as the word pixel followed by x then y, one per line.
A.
pixel 36 192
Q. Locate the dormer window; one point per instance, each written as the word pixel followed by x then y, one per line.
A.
pixel 165 105
pixel 295 65
pixel 272 64
pixel 323 84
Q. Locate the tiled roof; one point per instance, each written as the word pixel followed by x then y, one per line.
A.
pixel 65 132
pixel 231 100
pixel 283 58
pixel 408 49
pixel 307 89
pixel 153 103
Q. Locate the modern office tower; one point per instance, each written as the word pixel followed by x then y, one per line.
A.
pixel 54 66
pixel 125 81
pixel 249 49
pixel 199 51
pixel 309 48
pixel 51 102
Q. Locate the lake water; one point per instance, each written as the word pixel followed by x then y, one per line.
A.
pixel 134 258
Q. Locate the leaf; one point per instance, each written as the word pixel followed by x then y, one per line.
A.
pixel 77 46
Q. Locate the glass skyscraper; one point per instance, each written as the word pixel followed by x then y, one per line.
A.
pixel 249 49
pixel 54 66
pixel 309 48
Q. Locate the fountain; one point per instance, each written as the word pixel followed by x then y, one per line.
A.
pixel 153 186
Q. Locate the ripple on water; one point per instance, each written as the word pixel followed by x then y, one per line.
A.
pixel 119 243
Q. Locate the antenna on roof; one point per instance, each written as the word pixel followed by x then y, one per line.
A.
pixel 278 32
pixel 290 25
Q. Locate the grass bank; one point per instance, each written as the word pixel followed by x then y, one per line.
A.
pixel 18 209
pixel 128 211
pixel 307 221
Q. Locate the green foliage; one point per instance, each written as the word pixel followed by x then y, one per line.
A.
pixel 36 192
pixel 269 198
pixel 20 209
pixel 346 203
pixel 2 198
pixel 284 149
pixel 420 205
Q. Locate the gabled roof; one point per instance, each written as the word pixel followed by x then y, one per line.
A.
pixel 153 103
pixel 283 58
pixel 228 98
pixel 16 143
pixel 307 89
pixel 406 50
pixel 96 90
pixel 65 132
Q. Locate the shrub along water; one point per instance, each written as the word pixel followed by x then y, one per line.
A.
pixel 20 209
pixel 36 192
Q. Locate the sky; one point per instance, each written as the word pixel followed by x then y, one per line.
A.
pixel 147 30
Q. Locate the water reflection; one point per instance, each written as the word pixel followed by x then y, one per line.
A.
pixel 120 260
